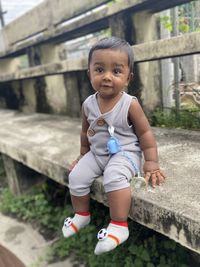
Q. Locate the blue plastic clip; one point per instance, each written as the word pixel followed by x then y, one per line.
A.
pixel 113 145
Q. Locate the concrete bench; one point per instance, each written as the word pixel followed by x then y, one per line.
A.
pixel 48 143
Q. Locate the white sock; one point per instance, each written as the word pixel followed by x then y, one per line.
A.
pixel 73 225
pixel 116 234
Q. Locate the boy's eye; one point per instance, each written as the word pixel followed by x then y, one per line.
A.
pixel 117 71
pixel 99 69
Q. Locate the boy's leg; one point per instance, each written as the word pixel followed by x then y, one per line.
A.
pixel 117 176
pixel 80 180
pixel 81 204
pixel 117 230
pixel 119 203
pixel 81 217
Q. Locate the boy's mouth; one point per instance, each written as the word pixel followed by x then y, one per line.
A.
pixel 106 85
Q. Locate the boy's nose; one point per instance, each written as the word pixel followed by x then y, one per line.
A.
pixel 107 75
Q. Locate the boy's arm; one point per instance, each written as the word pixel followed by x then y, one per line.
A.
pixel 84 144
pixel 147 143
pixel 85 147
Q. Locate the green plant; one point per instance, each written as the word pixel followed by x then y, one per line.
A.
pixel 35 207
pixel 2 171
pixel 167 24
pixel 166 21
pixel 188 19
pixel 48 206
pixel 184 118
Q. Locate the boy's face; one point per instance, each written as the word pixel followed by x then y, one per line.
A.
pixel 109 72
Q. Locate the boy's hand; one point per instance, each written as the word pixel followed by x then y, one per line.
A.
pixel 156 177
pixel 153 174
pixel 75 162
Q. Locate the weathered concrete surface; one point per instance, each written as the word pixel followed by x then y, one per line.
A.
pixel 26 243
pixel 174 208
pixel 52 13
pixel 46 29
pixel 166 48
pixel 149 73
pixel 46 16
pixel 52 140
pixel 49 143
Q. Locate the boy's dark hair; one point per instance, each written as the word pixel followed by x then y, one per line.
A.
pixel 114 43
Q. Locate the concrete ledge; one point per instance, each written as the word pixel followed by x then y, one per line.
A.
pixel 50 14
pixel 166 48
pixel 48 143
pixel 45 143
pixel 182 45
pixel 50 28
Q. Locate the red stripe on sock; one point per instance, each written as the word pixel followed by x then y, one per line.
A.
pixel 125 224
pixel 74 227
pixel 83 213
pixel 115 238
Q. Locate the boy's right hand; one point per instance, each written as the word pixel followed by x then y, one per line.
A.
pixel 75 162
pixel 72 165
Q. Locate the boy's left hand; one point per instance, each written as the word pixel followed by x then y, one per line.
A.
pixel 153 174
pixel 156 177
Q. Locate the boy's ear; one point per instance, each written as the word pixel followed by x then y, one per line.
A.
pixel 131 75
pixel 130 78
pixel 88 73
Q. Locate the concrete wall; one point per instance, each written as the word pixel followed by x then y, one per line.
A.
pixel 45 16
pixel 61 94
pixel 145 28
pixel 190 66
pixel 53 84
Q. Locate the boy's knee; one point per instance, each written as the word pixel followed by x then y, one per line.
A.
pixel 71 178
pixel 74 184
pixel 115 180
pixel 76 187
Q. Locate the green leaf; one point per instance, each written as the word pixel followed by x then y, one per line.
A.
pixel 138 263
pixel 133 249
pixel 145 255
